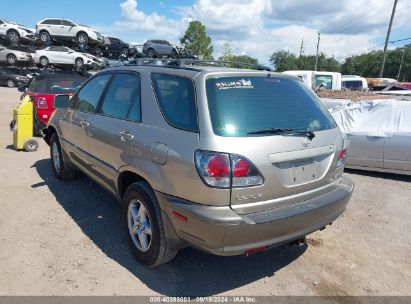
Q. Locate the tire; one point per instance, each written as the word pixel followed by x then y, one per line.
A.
pixel 31 145
pixel 151 53
pixel 44 61
pixel 63 168
pixel 82 38
pixel 11 83
pixel 11 59
pixel 13 36
pixel 155 250
pixel 124 51
pixel 174 54
pixel 45 37
pixel 79 63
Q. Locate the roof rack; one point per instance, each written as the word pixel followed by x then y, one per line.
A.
pixel 186 63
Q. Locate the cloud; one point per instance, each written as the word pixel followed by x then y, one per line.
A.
pixel 152 25
pixel 259 27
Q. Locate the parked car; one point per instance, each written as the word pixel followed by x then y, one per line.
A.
pixel 380 135
pixel 378 84
pixel 230 161
pixel 116 47
pixel 405 85
pixel 315 79
pixel 354 83
pixel 61 55
pixel 159 48
pixel 44 87
pixel 11 78
pixel 66 29
pixel 15 32
pixel 13 57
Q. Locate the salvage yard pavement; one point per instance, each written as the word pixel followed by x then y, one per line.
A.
pixel 66 238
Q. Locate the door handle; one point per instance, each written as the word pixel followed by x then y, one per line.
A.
pixel 84 124
pixel 125 135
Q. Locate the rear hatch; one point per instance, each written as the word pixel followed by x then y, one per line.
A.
pixel 281 128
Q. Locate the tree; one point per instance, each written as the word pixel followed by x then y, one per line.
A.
pixel 283 61
pixel 369 64
pixel 197 41
pixel 228 56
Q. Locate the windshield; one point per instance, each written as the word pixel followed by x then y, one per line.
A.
pixel 59 85
pixel 242 105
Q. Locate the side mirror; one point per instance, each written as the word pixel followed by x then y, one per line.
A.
pixel 21 89
pixel 62 101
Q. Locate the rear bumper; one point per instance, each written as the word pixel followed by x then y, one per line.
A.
pixel 221 231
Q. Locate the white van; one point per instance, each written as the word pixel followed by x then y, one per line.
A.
pixel 354 83
pixel 314 79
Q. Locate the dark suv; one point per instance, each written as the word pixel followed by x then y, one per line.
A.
pixel 116 47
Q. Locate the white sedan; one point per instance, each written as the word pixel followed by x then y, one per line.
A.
pixel 60 55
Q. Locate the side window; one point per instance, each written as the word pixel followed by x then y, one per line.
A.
pixel 1 22
pixel 88 97
pixel 327 79
pixel 175 96
pixel 67 23
pixel 124 92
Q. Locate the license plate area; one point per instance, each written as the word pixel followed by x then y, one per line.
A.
pixel 304 171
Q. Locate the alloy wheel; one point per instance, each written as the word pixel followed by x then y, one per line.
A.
pixel 56 157
pixel 139 225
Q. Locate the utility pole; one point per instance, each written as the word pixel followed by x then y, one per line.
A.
pixel 388 37
pixel 302 47
pixel 399 70
pixel 318 48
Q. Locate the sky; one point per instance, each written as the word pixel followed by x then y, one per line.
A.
pixel 253 27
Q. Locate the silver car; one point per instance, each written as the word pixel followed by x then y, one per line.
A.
pixel 379 132
pixel 13 57
pixel 229 161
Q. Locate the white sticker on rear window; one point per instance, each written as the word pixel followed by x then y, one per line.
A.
pixel 237 84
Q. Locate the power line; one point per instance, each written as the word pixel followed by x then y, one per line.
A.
pixel 373 48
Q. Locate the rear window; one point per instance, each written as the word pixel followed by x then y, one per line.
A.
pixel 240 105
pixel 57 85
pixel 353 85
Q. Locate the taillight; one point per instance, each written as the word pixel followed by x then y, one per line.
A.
pixel 245 174
pixel 42 103
pixel 214 168
pixel 342 155
pixel 224 170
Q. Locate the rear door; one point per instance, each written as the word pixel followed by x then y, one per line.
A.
pixel 113 131
pixel 76 125
pixel 366 150
pixel 54 55
pixel 397 152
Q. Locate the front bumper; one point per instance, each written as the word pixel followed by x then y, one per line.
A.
pixel 221 231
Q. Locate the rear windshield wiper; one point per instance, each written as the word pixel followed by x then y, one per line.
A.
pixel 309 134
